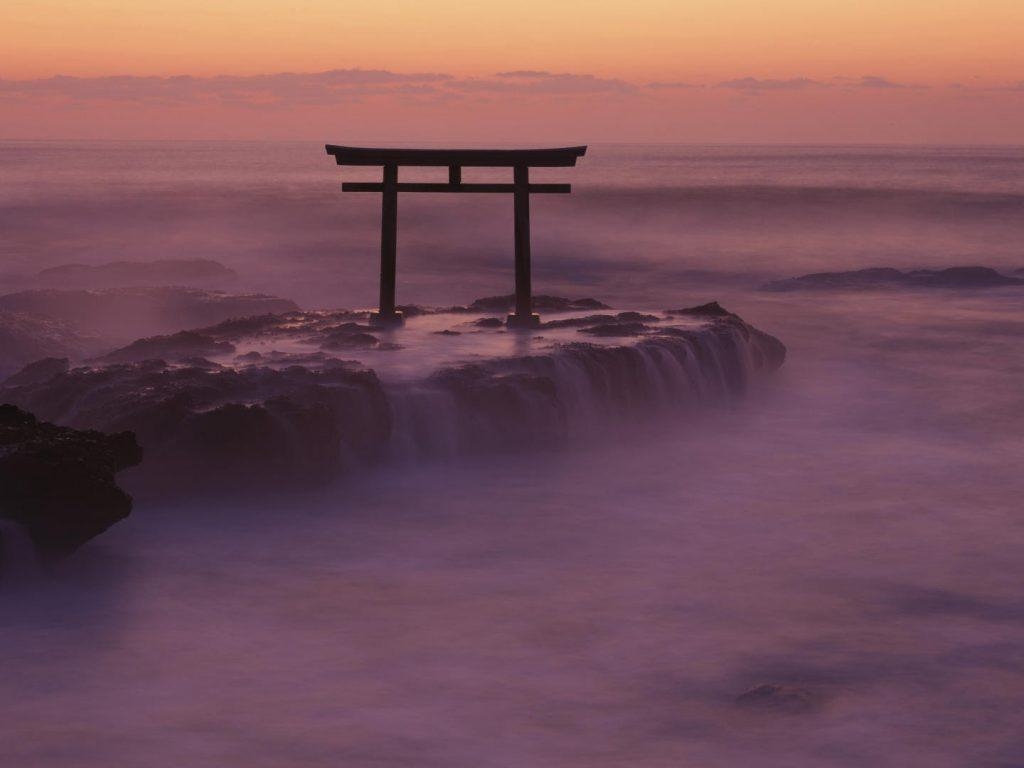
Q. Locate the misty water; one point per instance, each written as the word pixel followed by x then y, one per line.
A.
pixel 852 528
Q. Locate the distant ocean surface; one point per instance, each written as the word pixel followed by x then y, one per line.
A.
pixel 642 220
pixel 851 532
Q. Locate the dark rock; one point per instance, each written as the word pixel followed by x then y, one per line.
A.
pixel 711 309
pixel 414 310
pixel 489 322
pixel 961 277
pixel 621 317
pixel 448 332
pixel 137 273
pixel 38 372
pixel 177 346
pixel 58 483
pixel 887 277
pixel 351 339
pixel 777 698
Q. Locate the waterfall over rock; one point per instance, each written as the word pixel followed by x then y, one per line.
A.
pixel 286 399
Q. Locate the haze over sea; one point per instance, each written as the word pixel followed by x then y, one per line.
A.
pixel 853 529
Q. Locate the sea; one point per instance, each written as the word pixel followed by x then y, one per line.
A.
pixel 851 532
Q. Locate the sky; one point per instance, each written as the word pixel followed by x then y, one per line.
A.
pixel 908 71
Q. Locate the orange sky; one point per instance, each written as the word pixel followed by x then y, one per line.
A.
pixel 780 46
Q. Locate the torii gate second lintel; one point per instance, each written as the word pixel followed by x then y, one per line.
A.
pixel 520 160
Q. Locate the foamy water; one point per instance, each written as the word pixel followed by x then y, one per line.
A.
pixel 852 528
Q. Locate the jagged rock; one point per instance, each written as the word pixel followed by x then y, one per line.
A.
pixel 137 273
pixel 147 311
pixel 58 483
pixel 887 277
pixel 177 346
pixel 38 372
pixel 777 698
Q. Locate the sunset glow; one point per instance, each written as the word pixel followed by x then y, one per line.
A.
pixel 701 71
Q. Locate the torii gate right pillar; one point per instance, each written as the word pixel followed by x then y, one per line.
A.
pixel 524 316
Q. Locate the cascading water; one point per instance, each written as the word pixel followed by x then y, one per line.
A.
pixel 572 392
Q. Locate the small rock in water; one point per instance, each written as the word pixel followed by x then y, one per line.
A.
pixel 489 322
pixel 777 698
pixel 448 332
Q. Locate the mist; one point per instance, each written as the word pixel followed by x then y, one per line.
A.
pixel 847 528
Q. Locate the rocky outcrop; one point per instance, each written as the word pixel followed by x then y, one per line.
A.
pixel 887 277
pixel 208 426
pixel 276 399
pixel 58 483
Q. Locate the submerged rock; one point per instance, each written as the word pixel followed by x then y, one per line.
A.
pixel 887 277
pixel 777 698
pixel 58 483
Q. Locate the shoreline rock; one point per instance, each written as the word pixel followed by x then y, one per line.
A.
pixel 58 483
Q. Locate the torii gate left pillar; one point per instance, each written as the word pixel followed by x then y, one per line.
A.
pixel 520 160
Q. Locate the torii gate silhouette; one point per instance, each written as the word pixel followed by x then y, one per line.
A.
pixel 520 160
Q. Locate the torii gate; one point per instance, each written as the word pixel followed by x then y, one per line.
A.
pixel 520 160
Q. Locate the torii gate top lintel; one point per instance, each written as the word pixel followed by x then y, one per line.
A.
pixel 520 160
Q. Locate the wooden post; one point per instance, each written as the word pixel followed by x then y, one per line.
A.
pixel 388 247
pixel 523 317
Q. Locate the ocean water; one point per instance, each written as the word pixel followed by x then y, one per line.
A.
pixel 853 529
